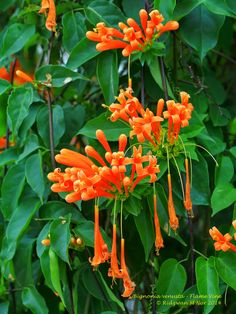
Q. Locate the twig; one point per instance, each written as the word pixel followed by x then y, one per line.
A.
pixel 207 224
pixel 12 294
pixel 142 86
pixel 51 133
pixel 70 283
pixel 224 56
pixel 163 77
pixel 190 225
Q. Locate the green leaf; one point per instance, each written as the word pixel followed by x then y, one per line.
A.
pixel 223 196
pixel 31 145
pixel 200 185
pixel 225 172
pixel 18 224
pixel 219 116
pixel 171 281
pixel 3 115
pixel 74 120
pixel 226 267
pixel 58 124
pixel 207 281
pixel 5 5
pixel 156 74
pixel 110 293
pixel 18 106
pixel 8 156
pixel 55 273
pixel 232 5
pixel 11 190
pixel 57 75
pixel 184 7
pixel 132 10
pixel 34 301
pixel 36 182
pixel 112 130
pixel 144 225
pixel 60 237
pixel 15 38
pixel 104 11
pixel 221 8
pixel 55 209
pixel 4 86
pixel 84 51
pixel 107 75
pixel 73 29
pixel 92 283
pixel 133 205
pixel 4 307
pixel 85 230
pixel 200 29
pixel 166 8
pixel 28 122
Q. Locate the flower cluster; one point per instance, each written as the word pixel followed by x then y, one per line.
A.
pixel 111 178
pixel 49 9
pixel 223 242
pixel 132 37
pixel 145 124
pixel 115 176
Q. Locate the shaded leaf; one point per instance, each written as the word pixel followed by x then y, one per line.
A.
pixel 171 281
pixel 200 29
pixel 73 29
pixel 112 130
pixel 34 301
pixel 56 75
pixel 43 126
pixel 104 11
pixel 11 190
pixel 84 51
pixel 15 38
pixel 107 75
pixel 207 281
pixel 18 106
pixel 223 196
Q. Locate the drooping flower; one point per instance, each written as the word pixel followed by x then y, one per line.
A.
pixel 158 240
pixel 173 219
pixel 49 9
pixel 222 241
pixel 187 201
pixel 132 37
pixel 114 270
pixel 101 253
pixel 129 285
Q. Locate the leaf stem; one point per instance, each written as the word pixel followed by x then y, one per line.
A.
pixel 163 77
pixel 51 133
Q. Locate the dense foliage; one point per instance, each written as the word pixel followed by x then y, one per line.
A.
pixel 140 116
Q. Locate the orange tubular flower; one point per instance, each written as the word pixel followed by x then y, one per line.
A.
pixel 144 126
pixel 133 37
pixel 18 77
pixel 177 115
pixel 25 77
pixel 187 201
pixel 48 8
pixel 101 253
pixel 114 270
pixel 159 240
pixel 129 286
pixel 222 241
pixel 174 222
